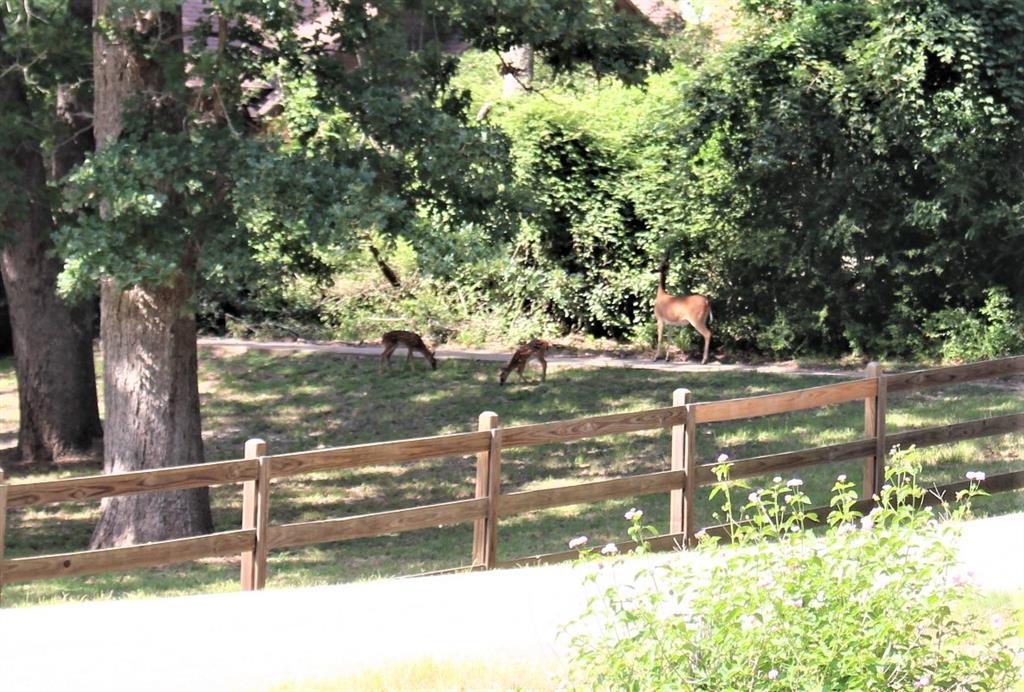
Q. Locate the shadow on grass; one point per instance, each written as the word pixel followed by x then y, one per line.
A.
pixel 298 401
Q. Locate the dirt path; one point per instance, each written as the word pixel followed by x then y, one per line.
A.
pixel 246 641
pixel 554 359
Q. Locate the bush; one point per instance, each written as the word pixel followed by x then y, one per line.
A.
pixel 876 602
pixel 996 330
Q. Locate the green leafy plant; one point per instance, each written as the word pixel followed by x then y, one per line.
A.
pixel 874 602
pixel 995 330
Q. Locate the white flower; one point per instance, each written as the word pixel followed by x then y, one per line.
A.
pixel 577 542
pixel 610 549
pixel 841 478
pixel 634 513
pixel 976 476
pixel 867 523
pixel 997 622
pixel 922 681
pixel 794 483
pixel 748 622
pixel 845 528
pixel 753 497
pixel 818 601
pixel 795 603
pixel 772 674
pixel 777 479
pixel 722 458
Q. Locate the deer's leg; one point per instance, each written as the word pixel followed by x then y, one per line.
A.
pixel 543 368
pixel 706 333
pixel 385 356
pixel 657 351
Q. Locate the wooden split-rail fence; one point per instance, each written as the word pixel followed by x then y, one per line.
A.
pixel 256 536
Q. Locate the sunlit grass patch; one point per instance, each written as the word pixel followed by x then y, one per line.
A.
pixel 298 401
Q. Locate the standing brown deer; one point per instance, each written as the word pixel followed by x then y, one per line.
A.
pixel 412 342
pixel 680 310
pixel 534 348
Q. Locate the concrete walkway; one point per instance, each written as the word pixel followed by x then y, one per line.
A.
pixel 554 359
pixel 245 641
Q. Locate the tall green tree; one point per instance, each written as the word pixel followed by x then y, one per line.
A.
pixel 44 134
pixel 190 183
pixel 854 167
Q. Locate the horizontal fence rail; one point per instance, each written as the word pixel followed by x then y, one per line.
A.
pixel 114 484
pixel 584 428
pixel 786 461
pixel 132 557
pixel 955 374
pixel 377 453
pixel 956 432
pixel 257 535
pixel 379 524
pixel 597 491
pixel 786 402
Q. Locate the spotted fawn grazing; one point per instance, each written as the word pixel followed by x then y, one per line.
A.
pixel 694 310
pixel 534 348
pixel 412 342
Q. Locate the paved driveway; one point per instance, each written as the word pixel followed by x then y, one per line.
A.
pixel 240 641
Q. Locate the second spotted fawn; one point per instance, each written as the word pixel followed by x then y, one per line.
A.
pixel 412 342
pixel 534 348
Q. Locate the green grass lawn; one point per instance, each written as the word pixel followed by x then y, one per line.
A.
pixel 299 401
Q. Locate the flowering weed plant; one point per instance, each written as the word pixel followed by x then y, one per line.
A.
pixel 872 602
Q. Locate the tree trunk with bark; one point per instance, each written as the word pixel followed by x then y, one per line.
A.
pixel 152 406
pixel 517 67
pixel 149 341
pixel 52 338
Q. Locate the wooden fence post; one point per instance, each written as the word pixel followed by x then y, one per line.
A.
pixel 677 498
pixel 254 449
pixel 259 567
pixel 880 433
pixel 489 536
pixel 3 528
pixel 874 426
pixel 690 466
pixel 487 421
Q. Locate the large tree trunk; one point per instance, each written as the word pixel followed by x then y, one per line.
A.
pixel 52 339
pixel 152 404
pixel 149 345
pixel 518 70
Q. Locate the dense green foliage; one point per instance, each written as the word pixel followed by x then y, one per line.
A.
pixel 833 179
pixel 843 177
pixel 43 47
pixel 878 602
pixel 853 168
pixel 371 137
